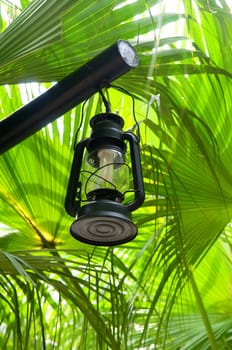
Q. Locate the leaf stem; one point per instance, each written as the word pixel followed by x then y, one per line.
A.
pixel 203 313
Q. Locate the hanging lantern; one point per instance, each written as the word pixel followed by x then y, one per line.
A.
pixel 100 182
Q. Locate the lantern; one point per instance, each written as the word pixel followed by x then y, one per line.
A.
pixel 100 182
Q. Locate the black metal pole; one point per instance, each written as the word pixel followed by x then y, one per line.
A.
pixel 113 62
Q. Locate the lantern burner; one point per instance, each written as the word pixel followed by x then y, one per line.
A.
pixel 105 193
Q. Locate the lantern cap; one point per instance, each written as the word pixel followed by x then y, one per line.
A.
pixel 107 117
pixel 106 133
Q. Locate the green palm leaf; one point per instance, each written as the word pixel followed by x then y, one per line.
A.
pixel 169 288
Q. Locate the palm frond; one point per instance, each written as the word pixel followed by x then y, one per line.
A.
pixel 138 295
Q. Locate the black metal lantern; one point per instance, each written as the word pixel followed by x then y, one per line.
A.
pixel 99 182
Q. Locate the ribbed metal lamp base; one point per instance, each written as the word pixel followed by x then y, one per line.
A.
pixel 104 223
